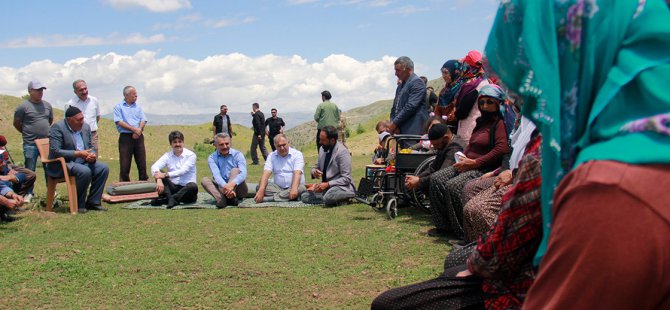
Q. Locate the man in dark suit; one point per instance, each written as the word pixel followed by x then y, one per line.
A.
pixel 333 167
pixel 70 138
pixel 408 113
pixel 258 140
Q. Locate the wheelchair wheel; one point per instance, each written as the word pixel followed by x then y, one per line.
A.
pixel 377 201
pixel 392 208
pixel 419 198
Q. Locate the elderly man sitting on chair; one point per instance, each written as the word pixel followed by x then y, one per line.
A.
pixel 333 167
pixel 286 163
pixel 70 138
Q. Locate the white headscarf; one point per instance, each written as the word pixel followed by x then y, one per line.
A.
pixel 520 138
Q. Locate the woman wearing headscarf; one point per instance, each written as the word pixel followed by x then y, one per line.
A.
pixel 482 207
pixel 497 271
pixel 451 73
pixel 484 153
pixel 594 75
pixel 472 80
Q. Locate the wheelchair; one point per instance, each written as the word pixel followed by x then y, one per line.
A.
pixel 383 187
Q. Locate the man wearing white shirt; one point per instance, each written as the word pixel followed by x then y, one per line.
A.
pixel 177 185
pixel 287 164
pixel 89 106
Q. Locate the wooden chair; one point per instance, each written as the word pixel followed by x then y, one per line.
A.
pixel 70 181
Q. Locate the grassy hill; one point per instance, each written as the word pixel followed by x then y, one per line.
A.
pixel 295 258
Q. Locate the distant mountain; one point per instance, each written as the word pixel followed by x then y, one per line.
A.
pixel 291 119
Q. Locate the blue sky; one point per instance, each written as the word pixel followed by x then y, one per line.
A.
pixel 189 54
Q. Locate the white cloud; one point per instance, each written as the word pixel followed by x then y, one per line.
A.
pixel 159 6
pixel 406 10
pixel 227 22
pixel 58 40
pixel 298 2
pixel 175 85
pixel 181 23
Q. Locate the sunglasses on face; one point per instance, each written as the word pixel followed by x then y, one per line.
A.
pixel 487 101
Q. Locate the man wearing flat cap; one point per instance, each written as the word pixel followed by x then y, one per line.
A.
pixel 447 145
pixel 70 138
pixel 32 119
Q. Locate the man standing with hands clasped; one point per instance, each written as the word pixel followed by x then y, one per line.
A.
pixel 130 121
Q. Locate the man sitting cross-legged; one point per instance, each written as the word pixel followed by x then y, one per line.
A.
pixel 19 179
pixel 70 138
pixel 177 185
pixel 8 200
pixel 229 170
pixel 333 167
pixel 286 163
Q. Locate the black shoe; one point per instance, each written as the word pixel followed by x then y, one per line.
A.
pixel 222 204
pixel 234 202
pixel 6 217
pixel 82 210
pixel 96 208
pixel 172 203
pixel 158 201
pixel 254 164
pixel 438 232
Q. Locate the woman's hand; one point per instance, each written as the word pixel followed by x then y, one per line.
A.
pixel 466 164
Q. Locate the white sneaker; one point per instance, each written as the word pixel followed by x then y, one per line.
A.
pixel 27 198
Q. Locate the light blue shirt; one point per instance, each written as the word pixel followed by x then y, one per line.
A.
pixel 283 167
pixel 131 114
pixel 4 189
pixel 221 165
pixel 78 143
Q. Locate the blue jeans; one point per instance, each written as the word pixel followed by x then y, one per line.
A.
pixel 31 153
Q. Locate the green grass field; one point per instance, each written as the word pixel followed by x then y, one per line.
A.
pixel 335 258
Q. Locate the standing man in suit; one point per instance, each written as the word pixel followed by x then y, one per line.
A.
pixel 333 167
pixel 130 121
pixel 408 113
pixel 258 140
pixel 70 138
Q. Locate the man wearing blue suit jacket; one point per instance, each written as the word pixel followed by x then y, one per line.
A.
pixel 408 113
pixel 70 138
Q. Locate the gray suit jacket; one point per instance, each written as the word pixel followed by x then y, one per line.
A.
pixel 62 144
pixel 339 169
pixel 408 112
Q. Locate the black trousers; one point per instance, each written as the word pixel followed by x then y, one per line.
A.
pixel 182 194
pixel 129 147
pixel 272 141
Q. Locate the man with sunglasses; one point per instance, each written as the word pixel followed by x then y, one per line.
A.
pixel 274 126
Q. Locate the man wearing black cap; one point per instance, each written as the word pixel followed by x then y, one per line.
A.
pixel 32 119
pixel 447 145
pixel 71 139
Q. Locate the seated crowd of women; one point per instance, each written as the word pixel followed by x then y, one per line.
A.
pixel 563 170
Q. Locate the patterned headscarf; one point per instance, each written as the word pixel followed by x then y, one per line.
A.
pixel 579 95
pixel 449 91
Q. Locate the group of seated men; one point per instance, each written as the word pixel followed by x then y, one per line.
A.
pixel 175 171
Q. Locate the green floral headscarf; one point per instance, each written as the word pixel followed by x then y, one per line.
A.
pixel 593 75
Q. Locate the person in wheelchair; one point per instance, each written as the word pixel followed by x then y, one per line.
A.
pixel 385 147
pixel 447 145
